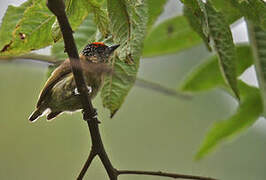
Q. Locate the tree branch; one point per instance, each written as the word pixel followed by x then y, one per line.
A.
pixel 89 113
pixel 32 56
pixel 164 174
pixel 87 164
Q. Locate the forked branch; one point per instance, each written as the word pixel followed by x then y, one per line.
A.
pixel 58 8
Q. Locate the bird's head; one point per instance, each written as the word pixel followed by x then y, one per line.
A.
pixel 98 52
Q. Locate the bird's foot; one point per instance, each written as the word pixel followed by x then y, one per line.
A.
pixel 91 116
pixel 77 93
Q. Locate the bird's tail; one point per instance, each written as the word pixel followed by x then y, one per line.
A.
pixel 35 115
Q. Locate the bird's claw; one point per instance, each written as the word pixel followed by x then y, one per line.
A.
pixel 92 116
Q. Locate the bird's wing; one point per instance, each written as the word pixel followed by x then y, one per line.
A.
pixel 60 72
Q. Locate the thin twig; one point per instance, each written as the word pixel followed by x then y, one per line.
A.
pixel 164 174
pixel 32 56
pixel 87 164
pixel 159 88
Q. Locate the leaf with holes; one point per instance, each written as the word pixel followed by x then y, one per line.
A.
pixel 9 23
pixel 33 31
pixel 223 42
pixel 172 35
pixel 248 111
pixel 128 20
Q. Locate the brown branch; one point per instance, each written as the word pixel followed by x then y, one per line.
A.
pixel 31 56
pixel 89 113
pixel 58 8
pixel 87 165
pixel 164 174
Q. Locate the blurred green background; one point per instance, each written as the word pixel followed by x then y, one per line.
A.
pixel 150 132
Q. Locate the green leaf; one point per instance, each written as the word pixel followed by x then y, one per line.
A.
pixel 9 22
pixel 76 12
pixel 247 113
pixel 155 8
pixel 170 36
pixel 100 17
pixel 195 13
pixel 128 21
pixel 221 34
pixel 83 35
pixel 208 74
pixel 228 8
pixel 33 31
pixel 254 10
pixel 257 37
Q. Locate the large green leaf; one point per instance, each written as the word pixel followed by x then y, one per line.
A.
pixel 76 12
pixel 208 74
pixel 128 21
pixel 247 113
pixel 155 8
pixel 170 36
pixel 33 31
pixel 223 42
pixel 257 37
pixel 83 35
pixel 9 22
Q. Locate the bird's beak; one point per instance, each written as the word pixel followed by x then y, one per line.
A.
pixel 113 48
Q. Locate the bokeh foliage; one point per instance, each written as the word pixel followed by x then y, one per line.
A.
pixel 132 25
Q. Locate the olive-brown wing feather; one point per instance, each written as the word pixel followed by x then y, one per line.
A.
pixel 59 73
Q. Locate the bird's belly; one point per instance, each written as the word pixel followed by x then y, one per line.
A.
pixel 64 98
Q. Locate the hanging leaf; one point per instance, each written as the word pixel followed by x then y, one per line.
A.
pixel 196 15
pixel 224 46
pixel 128 28
pixel 247 113
pixel 228 8
pixel 254 10
pixel 208 74
pixel 257 37
pixel 76 12
pixel 155 8
pixel 171 36
pixel 33 31
pixel 100 17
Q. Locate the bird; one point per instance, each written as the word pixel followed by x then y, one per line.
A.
pixel 60 93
